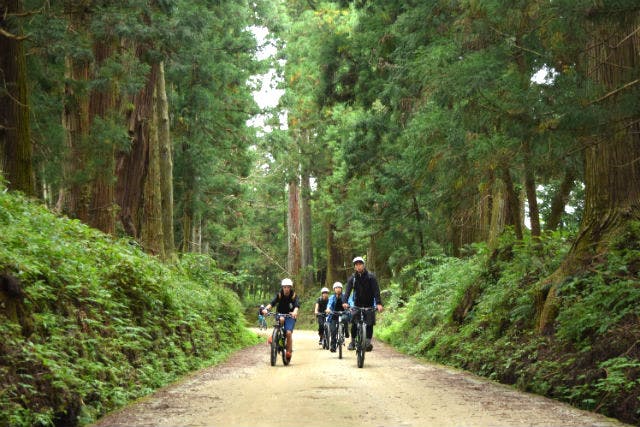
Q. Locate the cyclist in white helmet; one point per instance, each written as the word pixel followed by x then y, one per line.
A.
pixel 367 294
pixel 286 302
pixel 335 304
pixel 319 309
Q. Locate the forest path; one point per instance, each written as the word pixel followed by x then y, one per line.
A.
pixel 318 389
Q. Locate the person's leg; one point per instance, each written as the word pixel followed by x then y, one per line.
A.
pixel 289 324
pixel 371 320
pixel 320 328
pixel 354 327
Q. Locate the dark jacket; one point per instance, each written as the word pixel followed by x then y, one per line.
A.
pixel 285 304
pixel 366 289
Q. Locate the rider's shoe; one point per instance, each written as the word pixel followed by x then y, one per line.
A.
pixel 270 339
pixel 368 346
pixel 333 349
pixel 288 355
pixel 352 346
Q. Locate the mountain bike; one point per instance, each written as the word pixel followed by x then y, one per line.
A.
pixel 262 322
pixel 325 329
pixel 278 339
pixel 361 332
pixel 340 334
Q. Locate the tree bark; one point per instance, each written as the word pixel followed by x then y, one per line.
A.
pixel 335 262
pixel 530 187
pixel 102 105
pixel 559 201
pixel 152 237
pixel 15 139
pixel 513 203
pixel 133 165
pixel 293 232
pixel 166 164
pixel 305 228
pixel 612 175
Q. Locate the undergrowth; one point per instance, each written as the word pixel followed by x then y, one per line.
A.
pixel 89 323
pixel 479 314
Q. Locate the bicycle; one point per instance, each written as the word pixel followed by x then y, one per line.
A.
pixel 262 323
pixel 361 333
pixel 278 339
pixel 325 333
pixel 340 333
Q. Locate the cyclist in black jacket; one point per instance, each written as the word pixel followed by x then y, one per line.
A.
pixel 367 291
pixel 319 311
pixel 286 302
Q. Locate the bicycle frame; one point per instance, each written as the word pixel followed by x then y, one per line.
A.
pixel 340 331
pixel 278 339
pixel 361 333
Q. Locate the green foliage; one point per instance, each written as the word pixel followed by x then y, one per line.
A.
pixel 96 323
pixel 479 314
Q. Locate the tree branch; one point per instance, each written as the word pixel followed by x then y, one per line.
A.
pixel 613 92
pixel 9 35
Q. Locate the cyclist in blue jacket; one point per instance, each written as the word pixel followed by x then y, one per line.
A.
pixel 335 304
pixel 367 294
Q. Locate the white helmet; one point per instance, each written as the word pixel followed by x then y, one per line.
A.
pixel 358 259
pixel 337 285
pixel 323 290
pixel 287 282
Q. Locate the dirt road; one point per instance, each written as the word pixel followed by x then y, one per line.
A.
pixel 318 389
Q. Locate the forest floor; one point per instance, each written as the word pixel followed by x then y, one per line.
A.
pixel 318 389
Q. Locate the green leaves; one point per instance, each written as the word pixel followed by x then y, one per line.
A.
pixel 99 323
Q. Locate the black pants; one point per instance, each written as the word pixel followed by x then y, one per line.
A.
pixel 369 319
pixel 334 329
pixel 320 325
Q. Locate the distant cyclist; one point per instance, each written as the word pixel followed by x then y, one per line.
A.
pixel 286 302
pixel 319 309
pixel 335 304
pixel 262 322
pixel 367 291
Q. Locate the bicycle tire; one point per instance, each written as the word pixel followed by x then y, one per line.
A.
pixel 360 340
pixel 340 339
pixel 274 347
pixel 325 337
pixel 285 361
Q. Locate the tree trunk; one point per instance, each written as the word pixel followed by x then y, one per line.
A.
pixel 530 187
pixel 133 165
pixel 152 237
pixel 102 105
pixel 75 194
pixel 559 201
pixel 305 227
pixel 612 175
pixel 335 263
pixel 293 232
pixel 15 140
pixel 513 203
pixel 166 165
pixel 419 233
pixel 499 212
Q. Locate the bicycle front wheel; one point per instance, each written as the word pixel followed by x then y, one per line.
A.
pixel 340 339
pixel 284 351
pixel 274 347
pixel 360 350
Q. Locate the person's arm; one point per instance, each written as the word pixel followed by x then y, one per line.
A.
pixel 296 307
pixel 271 304
pixel 315 309
pixel 333 300
pixel 376 293
pixel 345 296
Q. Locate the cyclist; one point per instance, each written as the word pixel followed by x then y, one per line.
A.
pixel 261 320
pixel 367 291
pixel 319 309
pixel 286 301
pixel 335 304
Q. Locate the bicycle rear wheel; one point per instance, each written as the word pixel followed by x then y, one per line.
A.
pixel 360 344
pixel 274 346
